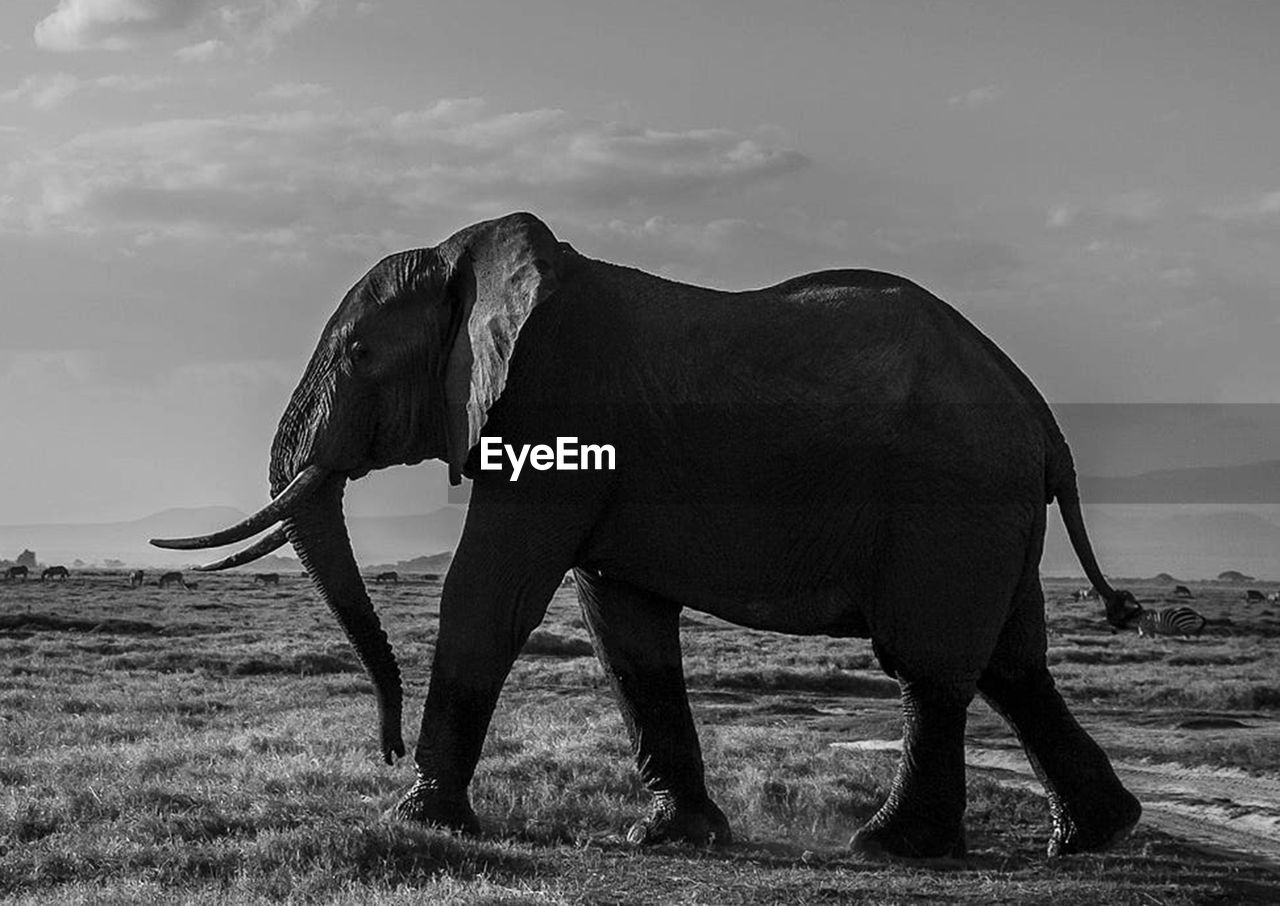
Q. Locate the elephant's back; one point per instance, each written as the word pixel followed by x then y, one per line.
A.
pixel 851 358
pixel 955 407
pixel 842 285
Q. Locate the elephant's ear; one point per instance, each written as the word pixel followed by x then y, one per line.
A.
pixel 499 271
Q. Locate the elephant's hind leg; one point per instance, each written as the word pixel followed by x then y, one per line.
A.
pixel 947 573
pixel 924 814
pixel 1091 809
pixel 637 638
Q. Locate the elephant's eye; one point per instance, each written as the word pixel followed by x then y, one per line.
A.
pixel 359 353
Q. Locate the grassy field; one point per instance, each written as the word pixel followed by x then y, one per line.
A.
pixel 217 745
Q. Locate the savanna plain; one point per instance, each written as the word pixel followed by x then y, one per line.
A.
pixel 217 745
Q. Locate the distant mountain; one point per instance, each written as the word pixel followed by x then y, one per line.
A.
pixel 185 521
pixel 273 562
pixel 433 563
pixel 125 541
pixel 1191 541
pixel 393 538
pixel 1254 483
pixel 374 539
pixel 1193 522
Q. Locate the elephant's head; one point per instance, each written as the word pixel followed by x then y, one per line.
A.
pixel 405 370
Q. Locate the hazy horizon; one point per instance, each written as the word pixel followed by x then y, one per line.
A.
pixel 191 185
pixel 1192 542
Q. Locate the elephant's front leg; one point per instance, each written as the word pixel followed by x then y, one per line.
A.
pixel 637 638
pixel 508 565
pixel 924 814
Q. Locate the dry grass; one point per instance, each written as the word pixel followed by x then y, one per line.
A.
pixel 217 746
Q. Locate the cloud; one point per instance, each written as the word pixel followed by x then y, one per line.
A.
pixel 951 263
pixel 266 23
pixel 46 91
pixel 1132 210
pixel 202 52
pixel 361 173
pixel 78 25
pixel 1257 217
pixel 132 84
pixel 114 24
pixel 729 252
pixel 294 91
pixel 976 97
pixel 1059 216
pixel 43 92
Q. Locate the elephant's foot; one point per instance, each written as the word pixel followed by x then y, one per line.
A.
pixel 669 821
pixel 889 834
pixel 1093 827
pixel 426 804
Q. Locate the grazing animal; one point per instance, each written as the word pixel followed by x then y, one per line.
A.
pixel 265 579
pixel 1182 621
pixel 1083 594
pixel 392 577
pixel 1182 591
pixel 1254 595
pixel 1274 596
pixel 174 578
pixel 842 454
pixel 54 572
pixel 16 572
pixel 136 578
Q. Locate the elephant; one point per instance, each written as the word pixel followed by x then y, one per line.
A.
pixel 840 454
pixel 54 572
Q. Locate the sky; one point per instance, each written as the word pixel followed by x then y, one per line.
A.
pixel 188 187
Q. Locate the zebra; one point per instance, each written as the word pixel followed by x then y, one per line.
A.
pixel 392 577
pixel 1254 595
pixel 55 572
pixel 1083 594
pixel 175 578
pixel 136 577
pixel 1274 597
pixel 1182 591
pixel 266 579
pixel 1181 621
pixel 15 572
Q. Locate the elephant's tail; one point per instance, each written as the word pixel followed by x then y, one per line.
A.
pixel 1061 484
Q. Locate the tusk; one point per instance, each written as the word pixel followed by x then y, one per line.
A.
pixel 260 548
pixel 303 483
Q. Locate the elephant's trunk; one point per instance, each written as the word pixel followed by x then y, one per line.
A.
pixel 318 533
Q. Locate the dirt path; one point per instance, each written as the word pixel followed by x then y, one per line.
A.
pixel 1221 810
